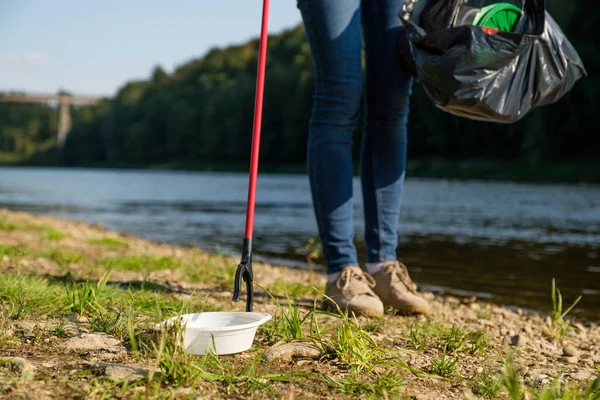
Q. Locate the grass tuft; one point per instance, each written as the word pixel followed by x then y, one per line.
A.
pixel 109 242
pixel 144 263
pixel 14 251
pixel 487 385
pixel 445 366
pixel 415 336
pixel 63 258
pixel 25 295
pixel 558 327
pixel 52 234
pixel 288 322
pixel 380 386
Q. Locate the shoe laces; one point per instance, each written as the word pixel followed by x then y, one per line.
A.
pixel 354 274
pixel 399 274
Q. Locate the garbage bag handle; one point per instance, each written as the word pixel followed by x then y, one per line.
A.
pixel 536 16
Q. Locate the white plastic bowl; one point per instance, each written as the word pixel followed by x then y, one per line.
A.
pixel 233 332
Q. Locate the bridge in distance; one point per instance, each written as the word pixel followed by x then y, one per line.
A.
pixel 64 102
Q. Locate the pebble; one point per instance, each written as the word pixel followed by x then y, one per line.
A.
pixel 570 360
pixel 27 326
pixel 453 301
pixel 498 310
pixel 570 351
pixel 581 375
pixel 120 371
pixel 537 376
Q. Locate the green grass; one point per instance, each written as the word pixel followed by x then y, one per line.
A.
pixel 28 295
pixel 559 327
pixel 435 335
pixel 52 234
pixel 293 289
pixel 456 340
pixel 355 347
pixel 5 225
pixel 145 263
pixel 63 258
pixel 415 336
pixel 218 270
pixel 380 386
pixel 47 232
pixel 109 242
pixel 479 341
pixel 445 366
pixel 487 385
pixel 14 251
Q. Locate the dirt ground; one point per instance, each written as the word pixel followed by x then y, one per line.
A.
pixel 67 333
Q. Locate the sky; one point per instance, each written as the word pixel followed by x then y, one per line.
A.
pixel 94 47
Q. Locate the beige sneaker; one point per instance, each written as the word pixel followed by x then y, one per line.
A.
pixel 395 288
pixel 352 291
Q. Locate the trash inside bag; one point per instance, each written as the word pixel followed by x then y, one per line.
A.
pixel 494 63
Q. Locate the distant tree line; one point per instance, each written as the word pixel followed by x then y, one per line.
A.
pixel 203 111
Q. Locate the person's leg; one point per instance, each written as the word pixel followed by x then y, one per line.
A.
pixel 334 35
pixel 333 30
pixel 383 153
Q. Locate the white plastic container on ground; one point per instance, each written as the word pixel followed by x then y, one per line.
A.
pixel 228 332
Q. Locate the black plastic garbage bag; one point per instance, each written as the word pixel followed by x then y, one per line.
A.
pixel 486 74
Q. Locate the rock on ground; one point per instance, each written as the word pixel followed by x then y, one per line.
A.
pixel 120 371
pixel 289 351
pixel 94 341
pixel 581 375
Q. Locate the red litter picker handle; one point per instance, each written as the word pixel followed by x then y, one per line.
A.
pixel 244 269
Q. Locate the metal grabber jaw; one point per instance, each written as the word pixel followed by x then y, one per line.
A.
pixel 244 271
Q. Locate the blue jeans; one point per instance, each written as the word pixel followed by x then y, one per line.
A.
pixel 334 34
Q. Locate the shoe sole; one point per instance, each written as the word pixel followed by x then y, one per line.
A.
pixel 407 310
pixel 413 310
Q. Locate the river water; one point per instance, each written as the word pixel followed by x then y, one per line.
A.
pixel 500 241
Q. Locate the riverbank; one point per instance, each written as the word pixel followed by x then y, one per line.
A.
pixel 511 171
pixel 79 304
pixel 443 169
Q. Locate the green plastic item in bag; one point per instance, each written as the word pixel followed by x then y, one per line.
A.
pixel 502 16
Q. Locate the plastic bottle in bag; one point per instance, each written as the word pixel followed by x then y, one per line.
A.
pixel 501 15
